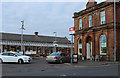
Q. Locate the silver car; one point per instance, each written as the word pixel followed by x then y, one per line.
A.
pixel 58 57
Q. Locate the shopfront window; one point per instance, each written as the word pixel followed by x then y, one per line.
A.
pixel 34 48
pixel 80 46
pixel 12 48
pixel 103 46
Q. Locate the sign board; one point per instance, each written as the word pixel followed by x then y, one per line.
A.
pixel 72 30
pixel 75 58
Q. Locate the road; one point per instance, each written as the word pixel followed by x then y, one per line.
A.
pixel 39 67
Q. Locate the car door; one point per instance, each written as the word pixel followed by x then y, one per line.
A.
pixel 66 57
pixel 12 57
pixel 5 57
pixel 63 55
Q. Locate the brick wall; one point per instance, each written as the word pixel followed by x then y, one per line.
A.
pixel 106 29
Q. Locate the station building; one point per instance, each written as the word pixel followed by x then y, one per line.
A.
pixel 34 45
pixel 94 31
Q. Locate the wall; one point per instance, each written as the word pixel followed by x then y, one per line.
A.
pixel 99 29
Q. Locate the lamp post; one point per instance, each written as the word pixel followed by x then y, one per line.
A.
pixel 114 32
pixel 22 28
pixel 71 32
pixel 54 43
pixel 71 47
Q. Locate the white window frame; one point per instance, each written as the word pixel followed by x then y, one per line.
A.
pixel 90 20
pixel 101 46
pixel 102 17
pixel 78 47
pixel 80 23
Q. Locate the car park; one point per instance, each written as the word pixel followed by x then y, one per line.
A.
pixel 58 57
pixel 14 57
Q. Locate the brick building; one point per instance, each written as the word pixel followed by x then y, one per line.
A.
pixel 94 30
pixel 33 45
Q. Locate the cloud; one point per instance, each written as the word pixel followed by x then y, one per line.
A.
pixel 44 17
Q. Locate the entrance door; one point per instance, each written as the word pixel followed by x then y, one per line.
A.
pixel 89 50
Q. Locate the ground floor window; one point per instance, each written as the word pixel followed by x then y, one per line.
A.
pixel 80 47
pixel 103 46
pixel 34 48
pixel 12 48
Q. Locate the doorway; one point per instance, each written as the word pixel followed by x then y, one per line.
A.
pixel 88 48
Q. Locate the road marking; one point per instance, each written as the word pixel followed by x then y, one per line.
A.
pixel 63 75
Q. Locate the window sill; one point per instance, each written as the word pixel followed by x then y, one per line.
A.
pixel 103 53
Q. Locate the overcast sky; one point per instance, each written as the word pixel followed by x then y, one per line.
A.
pixel 42 17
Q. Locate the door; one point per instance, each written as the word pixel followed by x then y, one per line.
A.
pixel 89 50
pixel 12 57
pixel 5 57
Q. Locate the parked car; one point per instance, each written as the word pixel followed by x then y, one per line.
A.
pixel 14 57
pixel 58 57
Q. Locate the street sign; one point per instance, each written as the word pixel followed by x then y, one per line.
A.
pixel 72 30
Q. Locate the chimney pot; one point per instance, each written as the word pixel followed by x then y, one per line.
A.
pixel 36 33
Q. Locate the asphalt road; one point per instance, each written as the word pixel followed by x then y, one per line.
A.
pixel 39 67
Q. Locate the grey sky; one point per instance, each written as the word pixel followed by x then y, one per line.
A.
pixel 43 17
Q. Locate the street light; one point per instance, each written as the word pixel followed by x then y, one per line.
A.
pixel 114 31
pixel 22 28
pixel 55 42
pixel 72 33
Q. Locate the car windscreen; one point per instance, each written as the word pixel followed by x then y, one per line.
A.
pixel 18 54
pixel 54 54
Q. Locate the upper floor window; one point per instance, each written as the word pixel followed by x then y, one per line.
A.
pixel 102 17
pixel 80 24
pixel 90 20
pixel 103 44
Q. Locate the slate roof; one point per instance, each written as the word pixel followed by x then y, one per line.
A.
pixel 33 38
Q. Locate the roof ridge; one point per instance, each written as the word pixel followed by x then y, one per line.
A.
pixel 31 35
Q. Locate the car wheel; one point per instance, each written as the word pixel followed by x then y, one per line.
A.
pixel 1 61
pixel 20 61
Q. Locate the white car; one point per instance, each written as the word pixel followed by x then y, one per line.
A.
pixel 14 57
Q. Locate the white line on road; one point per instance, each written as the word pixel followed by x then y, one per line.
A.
pixel 63 75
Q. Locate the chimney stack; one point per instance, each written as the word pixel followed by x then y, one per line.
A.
pixel 36 33
pixel 91 3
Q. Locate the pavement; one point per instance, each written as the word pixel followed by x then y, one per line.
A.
pixel 86 63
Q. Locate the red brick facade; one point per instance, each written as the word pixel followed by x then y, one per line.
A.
pixel 97 29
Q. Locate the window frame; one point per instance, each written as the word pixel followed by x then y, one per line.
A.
pixel 79 46
pixel 103 43
pixel 90 21
pixel 102 17
pixel 80 23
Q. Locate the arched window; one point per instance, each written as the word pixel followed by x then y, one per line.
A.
pixel 103 49
pixel 80 47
